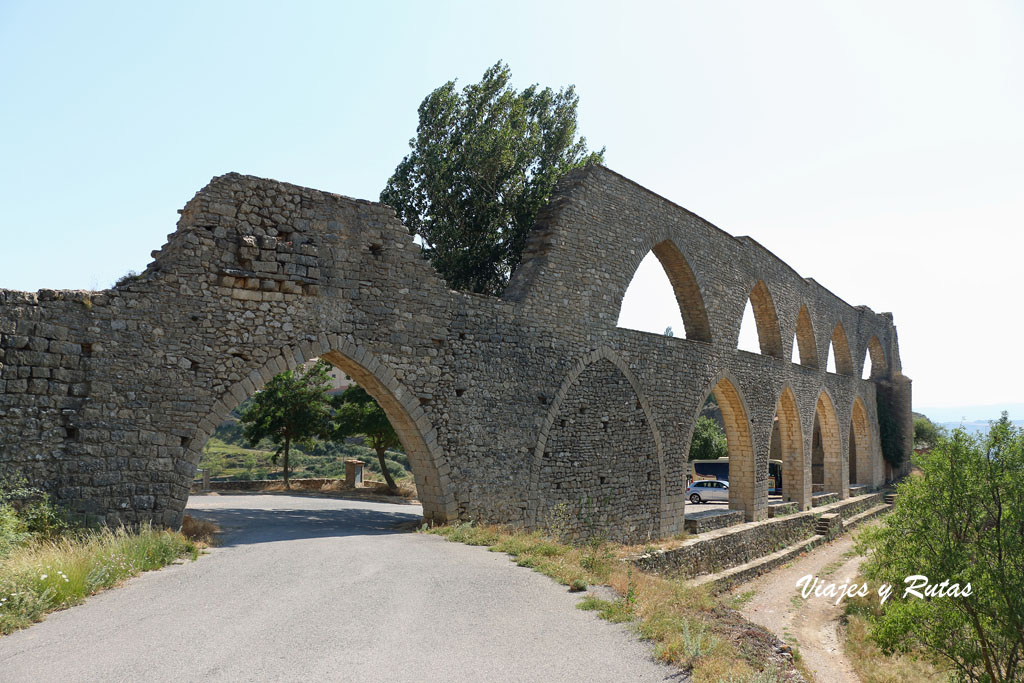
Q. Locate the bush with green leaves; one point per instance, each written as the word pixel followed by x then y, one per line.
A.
pixel 27 513
pixel 962 521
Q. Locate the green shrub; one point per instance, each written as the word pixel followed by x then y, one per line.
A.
pixel 960 521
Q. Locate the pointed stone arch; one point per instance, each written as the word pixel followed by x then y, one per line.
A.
pixel 666 523
pixel 743 480
pixel 862 446
pixel 841 349
pixel 766 319
pixel 804 338
pixel 795 475
pixel 879 365
pixel 685 289
pixel 419 440
pixel 829 440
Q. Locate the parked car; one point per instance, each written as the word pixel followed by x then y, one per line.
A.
pixel 704 490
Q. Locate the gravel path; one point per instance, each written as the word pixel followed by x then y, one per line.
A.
pixel 811 625
pixel 311 588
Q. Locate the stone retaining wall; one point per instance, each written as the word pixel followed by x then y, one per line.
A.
pixel 733 546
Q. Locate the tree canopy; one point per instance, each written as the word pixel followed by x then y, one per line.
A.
pixel 483 163
pixel 358 414
pixel 961 521
pixel 292 408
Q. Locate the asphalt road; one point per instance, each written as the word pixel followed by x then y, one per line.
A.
pixel 307 589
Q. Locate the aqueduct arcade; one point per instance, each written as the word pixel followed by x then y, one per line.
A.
pixel 508 408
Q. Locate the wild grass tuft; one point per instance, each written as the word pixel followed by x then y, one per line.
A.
pixel 200 530
pixel 47 575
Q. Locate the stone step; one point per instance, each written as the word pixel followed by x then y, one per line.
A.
pixel 830 524
pixel 890 499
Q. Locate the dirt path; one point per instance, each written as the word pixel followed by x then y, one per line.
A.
pixel 810 625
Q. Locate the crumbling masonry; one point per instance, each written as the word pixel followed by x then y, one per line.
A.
pixel 512 410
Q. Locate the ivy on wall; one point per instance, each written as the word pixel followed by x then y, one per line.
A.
pixel 889 430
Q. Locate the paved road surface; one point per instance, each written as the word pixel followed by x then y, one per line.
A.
pixel 308 589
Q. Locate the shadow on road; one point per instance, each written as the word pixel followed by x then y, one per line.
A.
pixel 245 526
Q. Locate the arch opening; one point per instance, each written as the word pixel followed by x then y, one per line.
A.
pixel 759 313
pixel 803 340
pixel 874 366
pixel 787 448
pixel 826 450
pixel 664 294
pixel 725 407
pixel 861 447
pixel 423 460
pixel 840 359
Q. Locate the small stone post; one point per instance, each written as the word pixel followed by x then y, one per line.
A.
pixel 353 473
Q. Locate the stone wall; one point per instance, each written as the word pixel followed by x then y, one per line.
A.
pixel 723 548
pixel 107 398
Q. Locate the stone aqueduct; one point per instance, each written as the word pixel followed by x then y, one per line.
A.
pixel 507 408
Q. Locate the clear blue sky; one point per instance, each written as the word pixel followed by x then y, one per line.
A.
pixel 875 146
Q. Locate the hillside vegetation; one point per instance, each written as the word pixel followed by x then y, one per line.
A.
pixel 227 456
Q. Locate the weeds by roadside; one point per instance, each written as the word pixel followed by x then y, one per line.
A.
pixel 47 563
pixel 199 530
pixel 688 626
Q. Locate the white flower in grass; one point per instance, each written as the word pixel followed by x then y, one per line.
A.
pixel 42 577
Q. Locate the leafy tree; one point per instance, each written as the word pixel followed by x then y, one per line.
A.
pixel 483 163
pixel 926 432
pixel 293 408
pixel 708 440
pixel 961 521
pixel 357 414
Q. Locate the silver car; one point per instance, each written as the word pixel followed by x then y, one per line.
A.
pixel 703 490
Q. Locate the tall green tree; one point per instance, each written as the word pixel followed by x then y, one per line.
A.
pixel 708 440
pixel 483 163
pixel 292 408
pixel 356 413
pixel 961 521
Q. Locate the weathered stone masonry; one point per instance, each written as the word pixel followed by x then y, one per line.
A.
pixel 511 410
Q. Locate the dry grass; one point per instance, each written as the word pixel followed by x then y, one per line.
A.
pixel 873 666
pixel 688 626
pixel 199 530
